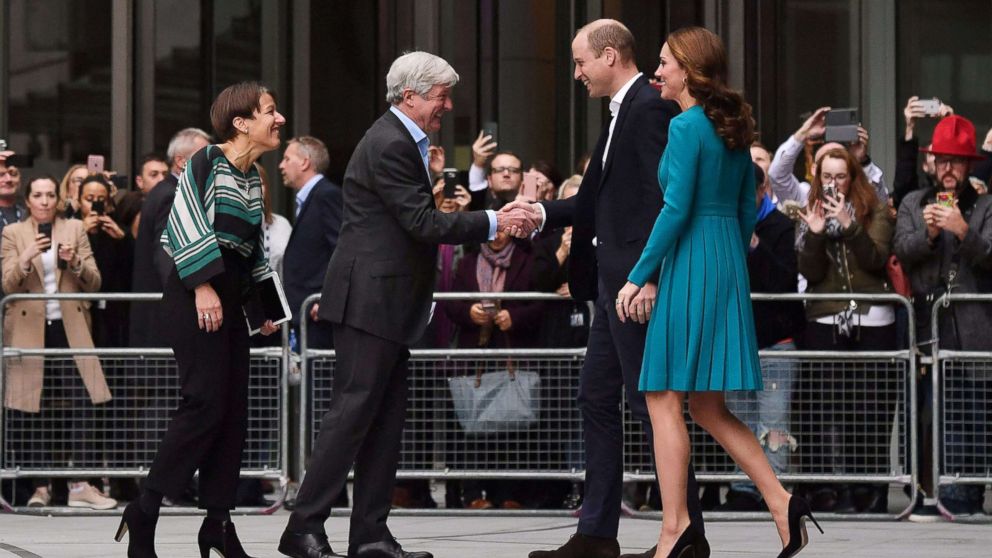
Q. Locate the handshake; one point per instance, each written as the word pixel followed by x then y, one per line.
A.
pixel 519 219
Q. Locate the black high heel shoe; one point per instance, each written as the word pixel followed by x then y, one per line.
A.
pixel 141 541
pixel 690 544
pixel 799 512
pixel 220 537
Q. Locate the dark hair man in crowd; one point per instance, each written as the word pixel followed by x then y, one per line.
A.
pixel 315 231
pixel 944 241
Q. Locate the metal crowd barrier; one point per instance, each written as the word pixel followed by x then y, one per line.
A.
pixel 962 403
pixel 73 438
pixel 853 414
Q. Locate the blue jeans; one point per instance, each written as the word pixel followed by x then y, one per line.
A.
pixel 767 413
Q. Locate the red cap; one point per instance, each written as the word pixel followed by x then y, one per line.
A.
pixel 954 136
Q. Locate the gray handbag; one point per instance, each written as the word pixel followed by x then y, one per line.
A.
pixel 492 402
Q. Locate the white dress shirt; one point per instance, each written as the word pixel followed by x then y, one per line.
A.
pixel 615 103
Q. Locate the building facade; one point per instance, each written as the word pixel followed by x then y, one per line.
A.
pixel 119 77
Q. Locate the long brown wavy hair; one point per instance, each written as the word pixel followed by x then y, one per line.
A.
pixel 860 193
pixel 701 54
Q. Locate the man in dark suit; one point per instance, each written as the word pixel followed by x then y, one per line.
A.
pixel 377 294
pixel 611 219
pixel 151 264
pixel 315 232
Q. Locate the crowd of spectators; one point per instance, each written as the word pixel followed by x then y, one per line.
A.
pixel 827 223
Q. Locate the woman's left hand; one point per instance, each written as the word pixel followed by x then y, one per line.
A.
pixel 67 254
pixel 624 301
pixel 111 227
pixel 836 208
pixel 268 328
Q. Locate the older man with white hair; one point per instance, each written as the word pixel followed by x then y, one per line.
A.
pixel 377 296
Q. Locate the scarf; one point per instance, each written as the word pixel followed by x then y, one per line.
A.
pixel 490 269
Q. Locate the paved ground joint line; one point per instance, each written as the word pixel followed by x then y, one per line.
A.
pixel 18 551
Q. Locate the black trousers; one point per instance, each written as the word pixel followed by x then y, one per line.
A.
pixel 207 431
pixel 612 365
pixel 363 427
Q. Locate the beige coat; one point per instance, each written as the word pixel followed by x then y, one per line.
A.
pixel 24 321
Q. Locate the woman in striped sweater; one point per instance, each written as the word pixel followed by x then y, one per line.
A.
pixel 214 237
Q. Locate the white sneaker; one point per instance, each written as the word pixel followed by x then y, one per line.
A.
pixel 41 498
pixel 85 495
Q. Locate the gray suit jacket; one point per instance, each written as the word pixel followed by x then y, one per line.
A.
pixel 381 277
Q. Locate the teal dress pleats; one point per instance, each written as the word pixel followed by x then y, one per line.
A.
pixel 701 335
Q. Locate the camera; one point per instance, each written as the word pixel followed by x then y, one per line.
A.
pixel 99 207
pixel 842 126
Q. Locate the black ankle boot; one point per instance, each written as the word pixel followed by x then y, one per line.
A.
pixel 140 528
pixel 221 537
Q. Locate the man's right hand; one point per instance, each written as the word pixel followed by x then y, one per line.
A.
pixel 518 219
pixel 814 127
pixel 478 315
pixel 482 149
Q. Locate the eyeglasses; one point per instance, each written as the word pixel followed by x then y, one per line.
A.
pixel 941 161
pixel 511 170
pixel 827 177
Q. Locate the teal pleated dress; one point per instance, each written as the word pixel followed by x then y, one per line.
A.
pixel 701 335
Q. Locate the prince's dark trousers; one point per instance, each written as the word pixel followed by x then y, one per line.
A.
pixel 613 364
pixel 364 426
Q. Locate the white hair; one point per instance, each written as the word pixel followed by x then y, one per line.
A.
pixel 419 72
pixel 182 143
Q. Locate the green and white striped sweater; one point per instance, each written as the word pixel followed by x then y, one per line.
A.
pixel 216 206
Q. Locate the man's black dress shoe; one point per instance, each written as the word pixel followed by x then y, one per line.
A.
pixel 582 546
pixel 388 548
pixel 306 545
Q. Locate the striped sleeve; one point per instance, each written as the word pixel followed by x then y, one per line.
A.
pixel 189 235
pixel 260 268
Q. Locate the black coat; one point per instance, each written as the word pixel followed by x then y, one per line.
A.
pixel 114 259
pixel 381 277
pixel 617 205
pixel 561 325
pixel 151 264
pixel 525 315
pixel 772 268
pixel 314 238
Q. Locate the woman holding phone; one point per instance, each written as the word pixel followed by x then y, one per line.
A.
pixel 844 242
pixel 113 249
pixel 214 236
pixel 701 339
pixel 48 254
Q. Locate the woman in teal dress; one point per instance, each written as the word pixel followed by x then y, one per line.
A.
pixel 701 339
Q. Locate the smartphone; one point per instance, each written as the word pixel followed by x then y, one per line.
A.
pixel 829 191
pixel 3 145
pixel 842 126
pixel 99 207
pixel 490 307
pixel 94 164
pixel 45 229
pixel 60 263
pixel 945 199
pixel 529 187
pixel 930 106
pixel 491 129
pixel 450 182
